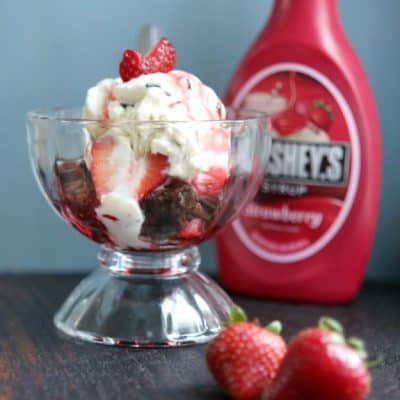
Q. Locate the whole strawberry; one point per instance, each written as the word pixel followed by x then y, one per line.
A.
pixel 244 358
pixel 321 365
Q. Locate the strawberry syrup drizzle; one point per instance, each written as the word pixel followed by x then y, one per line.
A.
pixel 110 217
pixel 84 220
pixel 105 116
pixel 185 86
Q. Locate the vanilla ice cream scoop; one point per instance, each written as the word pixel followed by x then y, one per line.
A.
pixel 173 96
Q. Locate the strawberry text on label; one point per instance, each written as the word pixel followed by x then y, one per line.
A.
pixel 285 214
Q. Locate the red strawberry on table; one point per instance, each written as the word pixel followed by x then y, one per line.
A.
pixel 114 167
pixel 244 358
pixel 161 58
pixel 321 365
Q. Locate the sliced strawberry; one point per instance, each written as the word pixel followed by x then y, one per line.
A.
pixel 111 158
pixel 194 229
pixel 210 183
pixel 161 58
pixel 154 174
pixel 129 67
pixel 114 167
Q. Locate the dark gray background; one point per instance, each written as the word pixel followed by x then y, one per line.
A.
pixel 52 51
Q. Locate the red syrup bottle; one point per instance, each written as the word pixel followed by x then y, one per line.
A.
pixel 307 235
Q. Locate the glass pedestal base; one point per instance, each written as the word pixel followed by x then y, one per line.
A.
pixel 145 300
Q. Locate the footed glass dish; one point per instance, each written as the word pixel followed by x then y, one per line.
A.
pixel 147 219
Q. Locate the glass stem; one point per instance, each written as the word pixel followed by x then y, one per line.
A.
pixel 166 264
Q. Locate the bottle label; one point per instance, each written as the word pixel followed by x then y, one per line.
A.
pixel 313 170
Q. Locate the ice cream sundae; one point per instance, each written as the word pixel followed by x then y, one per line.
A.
pixel 145 181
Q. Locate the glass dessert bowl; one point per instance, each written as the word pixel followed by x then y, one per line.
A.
pixel 148 221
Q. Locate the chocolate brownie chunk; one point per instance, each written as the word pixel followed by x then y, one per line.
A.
pixel 76 185
pixel 206 207
pixel 77 198
pixel 168 209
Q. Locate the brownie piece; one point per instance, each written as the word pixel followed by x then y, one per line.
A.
pixel 206 208
pixel 78 198
pixel 168 209
pixel 76 185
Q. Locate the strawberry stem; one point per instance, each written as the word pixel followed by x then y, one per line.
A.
pixel 236 314
pixel 374 363
pixel 331 324
pixel 274 327
pixel 356 343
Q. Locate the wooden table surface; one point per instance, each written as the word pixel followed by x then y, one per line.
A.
pixel 38 363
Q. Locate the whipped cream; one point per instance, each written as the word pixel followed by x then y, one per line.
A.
pixel 173 96
pixel 123 219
